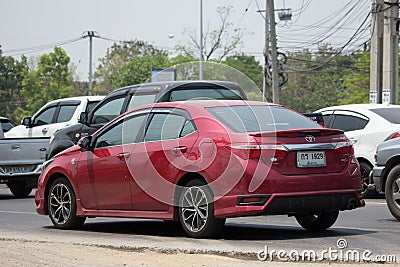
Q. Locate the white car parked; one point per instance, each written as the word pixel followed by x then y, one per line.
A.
pixel 53 116
pixel 366 125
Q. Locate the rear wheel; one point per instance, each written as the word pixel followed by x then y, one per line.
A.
pixel 19 189
pixel 196 211
pixel 319 221
pixel 392 191
pixel 365 169
pixel 61 203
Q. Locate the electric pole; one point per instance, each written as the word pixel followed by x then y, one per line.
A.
pixel 201 42
pixel 376 52
pixel 390 70
pixel 90 34
pixel 266 53
pixel 274 54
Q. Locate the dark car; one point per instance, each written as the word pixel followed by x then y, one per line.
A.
pixel 200 162
pixel 130 97
pixel 6 124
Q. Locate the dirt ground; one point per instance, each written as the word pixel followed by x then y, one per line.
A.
pixel 31 253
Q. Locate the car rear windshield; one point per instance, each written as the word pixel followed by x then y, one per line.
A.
pixel 389 114
pixel 260 118
pixel 205 93
pixel 6 125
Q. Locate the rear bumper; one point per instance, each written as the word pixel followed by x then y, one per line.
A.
pixel 288 203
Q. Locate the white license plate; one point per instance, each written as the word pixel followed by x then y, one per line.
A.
pixel 10 170
pixel 309 159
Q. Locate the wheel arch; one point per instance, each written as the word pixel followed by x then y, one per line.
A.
pixel 182 182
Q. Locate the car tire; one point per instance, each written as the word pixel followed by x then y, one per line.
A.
pixel 19 189
pixel 61 203
pixel 318 222
pixel 196 211
pixel 392 192
pixel 365 169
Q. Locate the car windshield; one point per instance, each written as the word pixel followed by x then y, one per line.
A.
pixel 260 118
pixel 389 114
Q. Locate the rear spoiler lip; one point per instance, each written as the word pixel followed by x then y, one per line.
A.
pixel 299 132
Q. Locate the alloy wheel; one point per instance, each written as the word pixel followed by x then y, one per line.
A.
pixel 396 192
pixel 60 203
pixel 194 208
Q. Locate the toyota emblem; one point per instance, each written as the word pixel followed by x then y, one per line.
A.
pixel 310 138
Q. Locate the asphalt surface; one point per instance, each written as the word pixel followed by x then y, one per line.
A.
pixel 367 229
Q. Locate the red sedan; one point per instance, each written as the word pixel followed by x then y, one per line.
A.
pixel 200 162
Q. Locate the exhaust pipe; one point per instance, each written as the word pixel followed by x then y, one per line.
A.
pixel 352 204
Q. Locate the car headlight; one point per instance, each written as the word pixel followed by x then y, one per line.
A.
pixel 46 163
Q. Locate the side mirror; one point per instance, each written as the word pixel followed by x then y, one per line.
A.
pixel 85 143
pixel 27 121
pixel 83 118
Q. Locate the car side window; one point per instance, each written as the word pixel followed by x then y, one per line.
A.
pixel 188 128
pixel 66 112
pixel 45 117
pixel 348 123
pixel 140 100
pixel 108 111
pixel 164 127
pixel 124 132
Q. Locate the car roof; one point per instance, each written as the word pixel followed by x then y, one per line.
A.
pixel 4 118
pixel 90 98
pixel 358 107
pixel 206 104
pixel 172 84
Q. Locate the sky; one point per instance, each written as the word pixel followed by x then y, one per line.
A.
pixel 32 23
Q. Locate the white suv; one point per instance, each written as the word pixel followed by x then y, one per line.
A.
pixel 366 125
pixel 54 116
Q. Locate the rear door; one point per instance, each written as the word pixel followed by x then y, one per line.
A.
pixel 158 161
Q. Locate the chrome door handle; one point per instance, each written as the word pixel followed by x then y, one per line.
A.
pixel 123 156
pixel 179 150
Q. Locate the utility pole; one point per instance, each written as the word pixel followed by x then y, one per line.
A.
pixel 376 52
pixel 266 53
pixel 274 54
pixel 390 53
pixel 201 42
pixel 90 34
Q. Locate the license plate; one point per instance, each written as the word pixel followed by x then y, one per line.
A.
pixel 10 170
pixel 310 159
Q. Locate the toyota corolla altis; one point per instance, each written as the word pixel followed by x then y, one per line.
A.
pixel 200 162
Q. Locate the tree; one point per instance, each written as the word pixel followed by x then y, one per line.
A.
pixel 315 79
pixel 12 73
pixel 107 74
pixel 221 41
pixel 51 80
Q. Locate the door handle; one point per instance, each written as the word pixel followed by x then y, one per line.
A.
pixel 179 150
pixel 123 156
pixel 45 130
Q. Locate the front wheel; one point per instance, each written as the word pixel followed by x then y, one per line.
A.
pixel 319 221
pixel 19 189
pixel 196 211
pixel 61 203
pixel 392 192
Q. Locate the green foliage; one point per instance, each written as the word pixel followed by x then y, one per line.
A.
pixel 317 80
pixel 108 73
pixel 138 69
pixel 51 80
pixel 357 82
pixel 12 73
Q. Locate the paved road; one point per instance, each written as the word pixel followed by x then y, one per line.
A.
pixel 371 228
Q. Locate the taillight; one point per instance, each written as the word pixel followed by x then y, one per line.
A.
pixel 393 136
pixel 247 151
pixel 344 148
